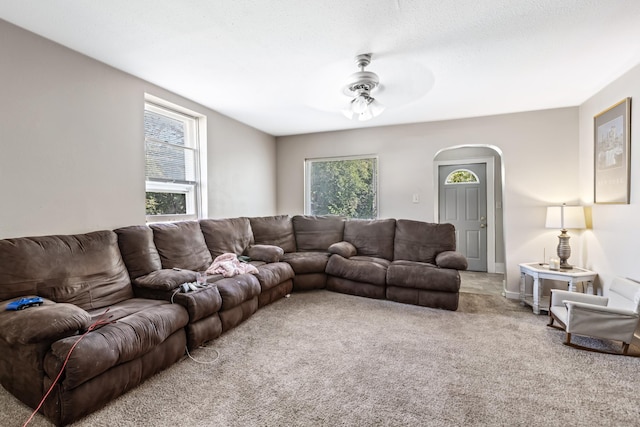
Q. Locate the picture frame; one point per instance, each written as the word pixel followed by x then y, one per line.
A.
pixel 612 154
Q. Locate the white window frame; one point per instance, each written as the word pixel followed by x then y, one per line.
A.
pixel 307 178
pixel 196 194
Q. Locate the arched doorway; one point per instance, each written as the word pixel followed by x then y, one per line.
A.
pixel 469 194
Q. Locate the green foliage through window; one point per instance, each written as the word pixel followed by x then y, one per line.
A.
pixel 461 176
pixel 166 203
pixel 343 187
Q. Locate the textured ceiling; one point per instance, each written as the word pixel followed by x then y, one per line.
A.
pixel 279 65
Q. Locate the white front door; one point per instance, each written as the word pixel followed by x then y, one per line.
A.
pixel 463 203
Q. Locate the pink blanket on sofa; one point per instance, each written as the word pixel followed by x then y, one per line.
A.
pixel 228 265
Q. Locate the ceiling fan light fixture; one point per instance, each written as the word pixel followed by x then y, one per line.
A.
pixel 363 106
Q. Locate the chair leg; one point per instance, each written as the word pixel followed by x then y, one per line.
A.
pixel 625 348
pixel 624 352
pixel 567 340
pixel 550 319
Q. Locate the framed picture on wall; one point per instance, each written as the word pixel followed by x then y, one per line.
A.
pixel 612 142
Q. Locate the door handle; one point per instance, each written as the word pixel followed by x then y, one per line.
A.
pixel 483 225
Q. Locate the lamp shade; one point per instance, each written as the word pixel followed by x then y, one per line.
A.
pixel 565 217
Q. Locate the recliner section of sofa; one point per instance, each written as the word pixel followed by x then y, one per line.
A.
pixel 79 277
pixel 239 293
pixel 425 267
pixel 364 274
pixel 236 235
pixel 313 237
pixel 162 256
pixel 156 276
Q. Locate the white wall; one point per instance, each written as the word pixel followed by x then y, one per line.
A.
pixel 539 158
pixel 242 170
pixel 610 247
pixel 72 151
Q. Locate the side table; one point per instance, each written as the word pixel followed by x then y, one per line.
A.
pixel 539 272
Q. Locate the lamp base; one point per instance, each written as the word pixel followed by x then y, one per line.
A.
pixel 565 266
pixel 564 250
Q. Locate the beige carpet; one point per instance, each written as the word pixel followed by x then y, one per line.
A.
pixel 327 359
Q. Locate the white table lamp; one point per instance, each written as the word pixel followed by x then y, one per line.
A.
pixel 565 217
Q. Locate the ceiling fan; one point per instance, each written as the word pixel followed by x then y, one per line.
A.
pixel 359 86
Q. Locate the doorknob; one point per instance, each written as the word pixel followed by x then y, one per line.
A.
pixel 482 218
pixel 483 225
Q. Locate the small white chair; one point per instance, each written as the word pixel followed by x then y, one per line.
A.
pixel 614 317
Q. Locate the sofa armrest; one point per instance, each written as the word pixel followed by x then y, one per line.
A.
pixel 265 253
pixel 46 323
pixel 165 279
pixel 451 259
pixel 344 249
pixel 559 297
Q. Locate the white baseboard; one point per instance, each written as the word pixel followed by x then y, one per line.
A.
pixel 512 295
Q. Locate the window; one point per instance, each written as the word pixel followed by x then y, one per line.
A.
pixel 173 167
pixel 461 176
pixel 342 186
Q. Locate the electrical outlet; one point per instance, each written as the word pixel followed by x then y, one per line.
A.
pixel 416 198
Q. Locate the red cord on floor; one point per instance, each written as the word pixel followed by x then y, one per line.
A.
pixel 100 322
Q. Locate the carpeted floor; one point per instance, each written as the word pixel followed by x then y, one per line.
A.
pixel 327 359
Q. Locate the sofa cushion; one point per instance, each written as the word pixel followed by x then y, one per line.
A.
pixel 138 251
pixel 166 279
pixel 452 259
pixel 139 326
pixel 265 253
pixel 238 289
pixel 307 262
pixel 181 245
pixel 82 269
pixel 274 230
pixel 228 235
pixel 371 237
pixel 271 275
pixel 201 303
pixel 419 275
pixel 49 322
pixel 344 249
pixel 422 241
pixel 359 269
pixel 317 233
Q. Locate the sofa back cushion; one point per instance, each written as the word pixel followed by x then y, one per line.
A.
pixel 138 251
pixel 83 269
pixel 422 241
pixel 274 230
pixel 371 237
pixel 317 233
pixel 228 235
pixel 181 245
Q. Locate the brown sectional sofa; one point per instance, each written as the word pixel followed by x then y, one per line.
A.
pixel 135 272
